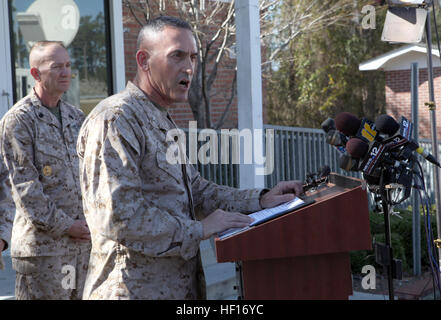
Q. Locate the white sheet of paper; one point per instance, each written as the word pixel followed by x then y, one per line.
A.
pixel 258 216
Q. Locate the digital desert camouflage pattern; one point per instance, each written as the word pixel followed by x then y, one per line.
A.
pixel 145 244
pixel 7 206
pixel 43 169
pixel 49 278
pixel 7 210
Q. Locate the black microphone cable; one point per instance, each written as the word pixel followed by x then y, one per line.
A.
pixel 427 229
pixel 431 251
pixel 430 248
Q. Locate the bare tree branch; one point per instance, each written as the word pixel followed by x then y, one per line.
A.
pixel 279 28
pixel 221 121
pixel 131 6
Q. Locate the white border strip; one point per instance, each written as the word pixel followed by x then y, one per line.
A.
pixel 6 97
pixel 117 37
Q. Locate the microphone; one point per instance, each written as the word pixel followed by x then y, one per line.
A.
pixel 357 148
pixel 370 156
pixel 400 133
pixel 386 124
pixel 347 123
pixel 322 176
pixel 335 138
pixel 351 126
pixel 347 163
pixel 328 124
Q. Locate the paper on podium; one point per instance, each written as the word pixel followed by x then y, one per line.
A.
pixel 268 214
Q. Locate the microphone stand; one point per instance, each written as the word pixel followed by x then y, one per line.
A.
pixel 432 110
pixel 385 195
pixel 384 253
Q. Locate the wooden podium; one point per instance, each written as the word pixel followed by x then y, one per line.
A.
pixel 304 254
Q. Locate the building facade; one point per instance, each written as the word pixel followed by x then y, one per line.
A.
pixel 101 38
pixel 397 67
pixel 398 98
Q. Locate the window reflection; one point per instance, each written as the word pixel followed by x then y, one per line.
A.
pixel 82 26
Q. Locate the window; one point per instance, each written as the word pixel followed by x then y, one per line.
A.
pixel 83 26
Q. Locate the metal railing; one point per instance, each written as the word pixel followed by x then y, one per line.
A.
pixel 223 174
pixel 299 151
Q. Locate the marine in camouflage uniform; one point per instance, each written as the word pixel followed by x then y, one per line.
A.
pixel 140 207
pixel 145 242
pixel 39 151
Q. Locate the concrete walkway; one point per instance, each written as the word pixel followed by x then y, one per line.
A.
pixel 7 278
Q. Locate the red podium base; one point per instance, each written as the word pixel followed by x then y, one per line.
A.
pixel 325 277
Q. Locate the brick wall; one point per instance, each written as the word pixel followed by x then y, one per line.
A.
pixel 182 112
pixel 398 98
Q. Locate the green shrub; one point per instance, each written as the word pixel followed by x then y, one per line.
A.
pixel 401 238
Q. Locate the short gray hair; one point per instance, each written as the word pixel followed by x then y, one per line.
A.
pixel 158 24
pixel 39 45
pixel 34 54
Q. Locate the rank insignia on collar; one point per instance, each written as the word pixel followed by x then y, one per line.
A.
pixel 47 171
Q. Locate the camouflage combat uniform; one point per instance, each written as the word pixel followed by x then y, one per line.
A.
pixel 7 209
pixel 43 167
pixel 145 242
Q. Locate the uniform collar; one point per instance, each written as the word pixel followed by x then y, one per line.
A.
pixel 155 113
pixel 45 115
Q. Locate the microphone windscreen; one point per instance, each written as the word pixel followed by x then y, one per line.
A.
pixel 328 124
pixel 347 163
pixel 347 123
pixel 386 124
pixel 335 138
pixel 357 148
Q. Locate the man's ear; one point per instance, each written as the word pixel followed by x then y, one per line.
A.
pixel 142 59
pixel 35 74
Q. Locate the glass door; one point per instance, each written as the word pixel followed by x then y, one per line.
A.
pixel 6 95
pixel 83 27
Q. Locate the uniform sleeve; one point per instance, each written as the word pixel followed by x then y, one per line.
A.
pixel 114 203
pixel 209 196
pixel 7 207
pixel 27 190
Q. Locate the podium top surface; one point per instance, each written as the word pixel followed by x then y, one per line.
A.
pixel 336 185
pixel 338 221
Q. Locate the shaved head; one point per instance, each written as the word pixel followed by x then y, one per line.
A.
pixel 153 27
pixel 38 54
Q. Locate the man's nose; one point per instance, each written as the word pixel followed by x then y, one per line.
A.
pixel 189 67
pixel 65 71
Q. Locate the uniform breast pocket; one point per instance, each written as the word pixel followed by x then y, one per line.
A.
pixel 167 169
pixel 51 163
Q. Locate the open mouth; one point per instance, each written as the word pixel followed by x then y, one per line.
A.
pixel 185 83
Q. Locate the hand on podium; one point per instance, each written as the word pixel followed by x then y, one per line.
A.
pixel 221 220
pixel 284 191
